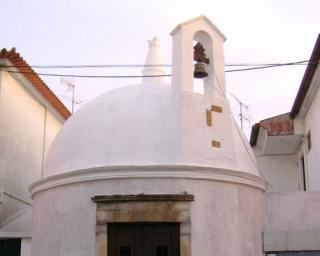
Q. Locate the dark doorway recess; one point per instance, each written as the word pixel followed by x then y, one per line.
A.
pixel 143 239
pixel 10 247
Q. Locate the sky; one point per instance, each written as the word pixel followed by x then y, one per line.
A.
pixel 82 32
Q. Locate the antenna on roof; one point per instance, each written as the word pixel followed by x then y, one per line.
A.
pixel 77 102
pixel 243 117
pixel 70 83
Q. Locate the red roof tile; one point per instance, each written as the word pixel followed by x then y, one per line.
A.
pixel 35 80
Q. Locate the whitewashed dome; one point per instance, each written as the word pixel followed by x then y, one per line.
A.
pixel 131 125
pixel 146 124
pixel 127 126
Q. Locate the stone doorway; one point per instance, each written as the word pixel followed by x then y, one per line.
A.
pixel 161 211
pixel 144 239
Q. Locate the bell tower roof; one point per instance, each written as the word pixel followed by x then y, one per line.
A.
pixel 196 20
pixel 185 36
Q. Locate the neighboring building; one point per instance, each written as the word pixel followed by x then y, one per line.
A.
pixel 30 117
pixel 287 146
pixel 287 149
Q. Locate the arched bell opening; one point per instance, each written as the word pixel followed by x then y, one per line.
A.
pixel 199 73
pixel 202 61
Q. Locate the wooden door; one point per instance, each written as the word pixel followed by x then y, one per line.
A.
pixel 143 239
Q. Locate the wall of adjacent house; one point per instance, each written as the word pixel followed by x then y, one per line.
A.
pixel 279 170
pixel 53 126
pixel 292 221
pixel 312 125
pixel 27 129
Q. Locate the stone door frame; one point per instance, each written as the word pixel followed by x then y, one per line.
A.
pixel 143 208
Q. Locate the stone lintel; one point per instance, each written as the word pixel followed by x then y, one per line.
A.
pixel 142 197
pixel 143 208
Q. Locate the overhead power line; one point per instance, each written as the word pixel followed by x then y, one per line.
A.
pixel 139 76
pixel 304 62
pixel 90 66
pixel 270 66
pixel 88 76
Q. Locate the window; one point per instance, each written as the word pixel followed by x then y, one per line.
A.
pixel 309 140
pixel 303 174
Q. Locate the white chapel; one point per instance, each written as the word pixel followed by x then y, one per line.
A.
pixel 154 168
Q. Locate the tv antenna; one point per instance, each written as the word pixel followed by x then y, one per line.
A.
pixel 77 102
pixel 70 83
pixel 242 115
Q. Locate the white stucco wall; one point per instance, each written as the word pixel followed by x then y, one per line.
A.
pixel 22 131
pixel 289 211
pixel 53 126
pixel 226 218
pixel 292 221
pixel 312 124
pixel 25 247
pixel 281 171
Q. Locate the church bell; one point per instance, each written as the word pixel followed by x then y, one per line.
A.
pixel 201 60
pixel 200 70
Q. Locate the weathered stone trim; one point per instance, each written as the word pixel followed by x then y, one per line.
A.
pixel 119 208
pixel 153 171
pixel 142 197
pixel 15 234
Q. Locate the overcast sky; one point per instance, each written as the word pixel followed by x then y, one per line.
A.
pixel 116 32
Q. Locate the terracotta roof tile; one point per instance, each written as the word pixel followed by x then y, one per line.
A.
pixel 287 126
pixel 35 80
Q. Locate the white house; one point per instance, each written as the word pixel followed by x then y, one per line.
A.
pixel 30 117
pixel 287 149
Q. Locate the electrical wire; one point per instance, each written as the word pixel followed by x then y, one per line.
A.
pixel 88 76
pixel 305 62
pixel 88 66
pixel 220 91
pixel 91 66
pixel 140 76
pixel 268 66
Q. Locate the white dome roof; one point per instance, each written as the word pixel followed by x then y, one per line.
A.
pixel 153 124
pixel 131 125
pixel 135 125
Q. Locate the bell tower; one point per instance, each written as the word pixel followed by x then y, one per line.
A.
pixel 205 131
pixel 185 38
